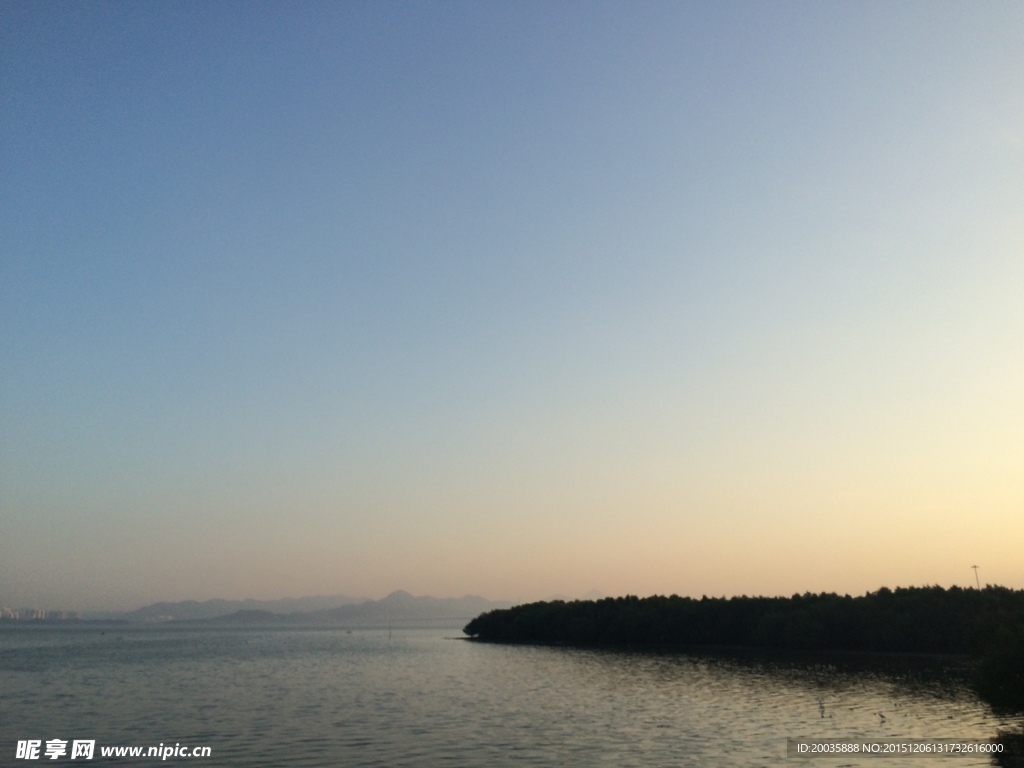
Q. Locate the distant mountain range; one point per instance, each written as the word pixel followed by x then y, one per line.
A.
pixel 398 608
pixel 190 610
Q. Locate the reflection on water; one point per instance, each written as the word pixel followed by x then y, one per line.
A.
pixel 327 697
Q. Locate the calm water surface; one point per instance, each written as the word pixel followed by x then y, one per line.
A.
pixel 327 697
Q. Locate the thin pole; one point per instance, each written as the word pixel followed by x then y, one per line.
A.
pixel 976 581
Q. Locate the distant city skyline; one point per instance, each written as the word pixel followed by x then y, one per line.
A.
pixel 508 299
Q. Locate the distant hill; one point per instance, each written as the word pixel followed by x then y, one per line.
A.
pixel 399 608
pixel 187 610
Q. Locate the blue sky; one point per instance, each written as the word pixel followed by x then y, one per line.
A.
pixel 514 299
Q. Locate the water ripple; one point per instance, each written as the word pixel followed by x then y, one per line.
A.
pixel 328 698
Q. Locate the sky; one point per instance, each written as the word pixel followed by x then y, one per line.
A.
pixel 511 299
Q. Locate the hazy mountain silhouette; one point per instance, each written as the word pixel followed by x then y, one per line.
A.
pixel 398 608
pixel 186 610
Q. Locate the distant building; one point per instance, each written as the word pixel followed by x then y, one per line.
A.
pixel 37 614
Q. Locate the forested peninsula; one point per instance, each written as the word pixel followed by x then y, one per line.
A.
pixel 987 623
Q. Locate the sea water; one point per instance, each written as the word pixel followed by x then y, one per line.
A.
pixel 425 697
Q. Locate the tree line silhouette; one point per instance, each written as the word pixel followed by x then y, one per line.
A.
pixel 987 623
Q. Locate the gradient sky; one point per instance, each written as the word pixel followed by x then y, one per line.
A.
pixel 514 299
